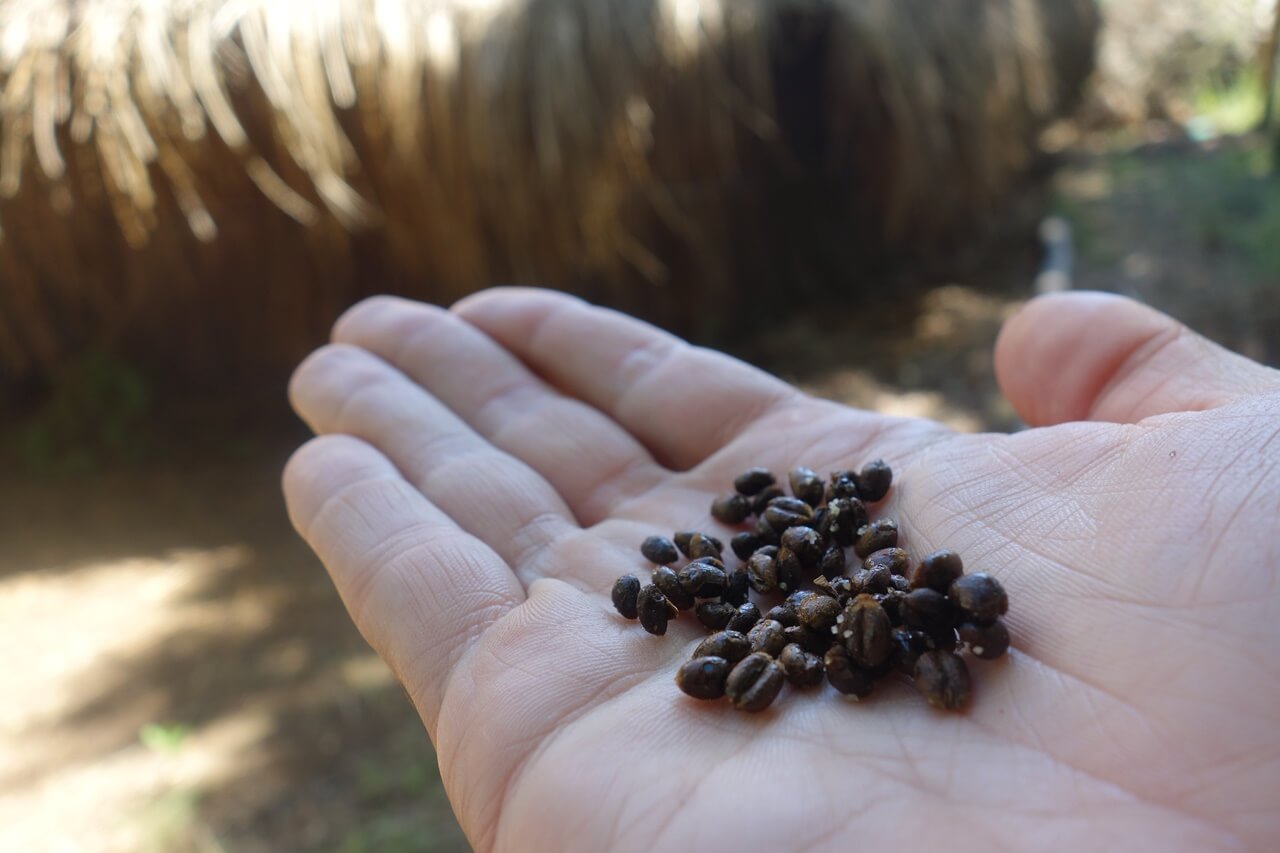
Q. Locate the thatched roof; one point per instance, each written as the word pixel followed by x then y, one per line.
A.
pixel 190 177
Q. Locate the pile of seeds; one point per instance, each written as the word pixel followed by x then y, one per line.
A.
pixel 853 629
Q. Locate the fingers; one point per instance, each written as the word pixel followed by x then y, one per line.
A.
pixel 591 461
pixel 419 588
pixel 498 499
pixel 1094 356
pixel 681 402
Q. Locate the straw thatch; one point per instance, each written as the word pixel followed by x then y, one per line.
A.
pixel 189 178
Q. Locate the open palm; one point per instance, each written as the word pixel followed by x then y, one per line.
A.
pixel 484 474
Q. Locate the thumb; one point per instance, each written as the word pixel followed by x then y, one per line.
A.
pixel 1095 356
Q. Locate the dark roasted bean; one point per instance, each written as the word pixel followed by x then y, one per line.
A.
pixel 891 601
pixel 762 572
pixel 731 508
pixel 839 588
pixel 760 501
pixel 767 636
pixel 908 645
pixel 806 485
pixel 681 539
pixel 753 481
pixel 819 613
pixel 809 639
pixel 844 675
pixel 937 571
pixel 744 618
pixel 928 610
pixel 783 614
pixel 754 682
pixel 845 516
pixel 736 588
pixel 730 645
pixel 702 545
pixel 844 484
pixel 865 630
pixel 790 570
pixel 744 544
pixel 879 534
pixel 876 580
pixel 715 614
pixel 702 580
pixel 832 563
pixel 666 579
pixel 764 532
pixel 660 550
pixel 801 668
pixel 654 610
pixel 703 677
pixel 787 512
pixel 819 522
pixel 980 596
pixel 987 641
pixel 715 562
pixel 942 679
pixel 805 543
pixel 625 592
pixel 900 583
pixel 874 480
pixel 893 559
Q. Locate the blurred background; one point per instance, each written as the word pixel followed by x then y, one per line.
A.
pixel 853 194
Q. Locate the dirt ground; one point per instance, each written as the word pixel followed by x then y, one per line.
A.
pixel 179 674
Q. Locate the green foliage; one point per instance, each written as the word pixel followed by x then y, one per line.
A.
pixel 93 414
pixel 163 737
pixel 1231 107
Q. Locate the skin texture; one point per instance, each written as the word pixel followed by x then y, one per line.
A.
pixel 483 474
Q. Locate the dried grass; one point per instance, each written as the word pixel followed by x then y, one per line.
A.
pixel 209 181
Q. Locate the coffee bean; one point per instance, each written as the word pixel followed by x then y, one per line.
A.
pixel 865 630
pixel 805 543
pixel 839 588
pixel 980 596
pixel 744 617
pixel 762 500
pixel 787 512
pixel 762 572
pixel 806 485
pixel 908 645
pixel 715 614
pixel 736 588
pixel 845 516
pixel 928 610
pixel 893 559
pixel 942 679
pixel 754 682
pixel 844 484
pixel 874 480
pixel 733 646
pixel 753 481
pixel 943 638
pixel 654 610
pixel 681 539
pixel 702 580
pixel 714 562
pixel 744 544
pixel 891 600
pixel 764 532
pixel 625 592
pixel 832 563
pixel 767 636
pixel 937 571
pixel 819 613
pixel 790 570
pixel 900 583
pixel 666 580
pixel 801 668
pixel 987 641
pixel 879 534
pixel 811 641
pixel 844 675
pixel 731 508
pixel 659 550
pixel 703 677
pixel 875 580
pixel 783 614
pixel 701 545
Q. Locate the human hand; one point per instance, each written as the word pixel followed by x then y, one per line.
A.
pixel 484 474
